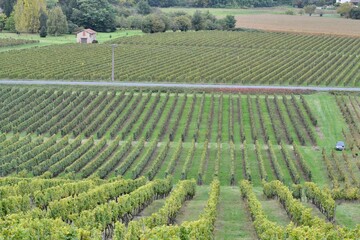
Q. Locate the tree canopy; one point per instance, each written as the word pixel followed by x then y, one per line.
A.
pixel 71 16
pixel 95 14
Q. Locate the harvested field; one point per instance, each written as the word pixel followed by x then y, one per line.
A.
pixel 300 24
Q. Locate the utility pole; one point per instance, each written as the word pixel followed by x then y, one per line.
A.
pixel 113 62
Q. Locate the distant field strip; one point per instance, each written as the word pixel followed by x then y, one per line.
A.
pixel 251 58
pixel 156 115
pixel 8 42
pixel 301 24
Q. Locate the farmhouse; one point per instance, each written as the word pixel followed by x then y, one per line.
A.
pixel 355 2
pixel 86 36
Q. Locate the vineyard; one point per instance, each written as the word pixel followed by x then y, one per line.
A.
pixel 101 163
pixel 8 42
pixel 109 133
pixel 98 209
pixel 252 58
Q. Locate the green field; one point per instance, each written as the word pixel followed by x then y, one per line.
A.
pixel 83 139
pixel 249 58
pixel 222 12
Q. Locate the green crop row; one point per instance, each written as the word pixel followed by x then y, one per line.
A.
pixel 211 57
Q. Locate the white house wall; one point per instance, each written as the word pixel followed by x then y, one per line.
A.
pixel 88 36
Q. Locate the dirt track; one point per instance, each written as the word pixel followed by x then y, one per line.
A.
pixel 301 24
pixel 221 87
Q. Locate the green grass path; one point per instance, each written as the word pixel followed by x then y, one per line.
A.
pixel 314 210
pixel 272 208
pixel 348 214
pixel 233 221
pixel 152 208
pixel 191 210
pixel 329 129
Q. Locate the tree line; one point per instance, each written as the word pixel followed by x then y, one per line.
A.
pixel 58 17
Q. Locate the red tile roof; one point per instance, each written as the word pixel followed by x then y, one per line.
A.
pixel 89 31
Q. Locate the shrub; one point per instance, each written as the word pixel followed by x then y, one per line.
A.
pixel 10 23
pixel 152 24
pixel 182 23
pixel 135 21
pixel 355 13
pixel 2 21
pixel 121 22
pixel 43 32
pixel 230 22
pixel 72 27
pixel 289 12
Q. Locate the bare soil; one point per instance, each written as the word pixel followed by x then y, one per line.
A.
pixel 300 24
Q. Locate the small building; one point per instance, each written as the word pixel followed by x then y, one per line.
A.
pixel 86 36
pixel 355 2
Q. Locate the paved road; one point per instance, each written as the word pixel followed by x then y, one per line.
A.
pixel 171 85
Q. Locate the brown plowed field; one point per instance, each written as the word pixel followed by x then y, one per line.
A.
pixel 301 24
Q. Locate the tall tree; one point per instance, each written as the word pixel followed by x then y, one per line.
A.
pixel 27 15
pixel 57 23
pixel 43 19
pixel 10 23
